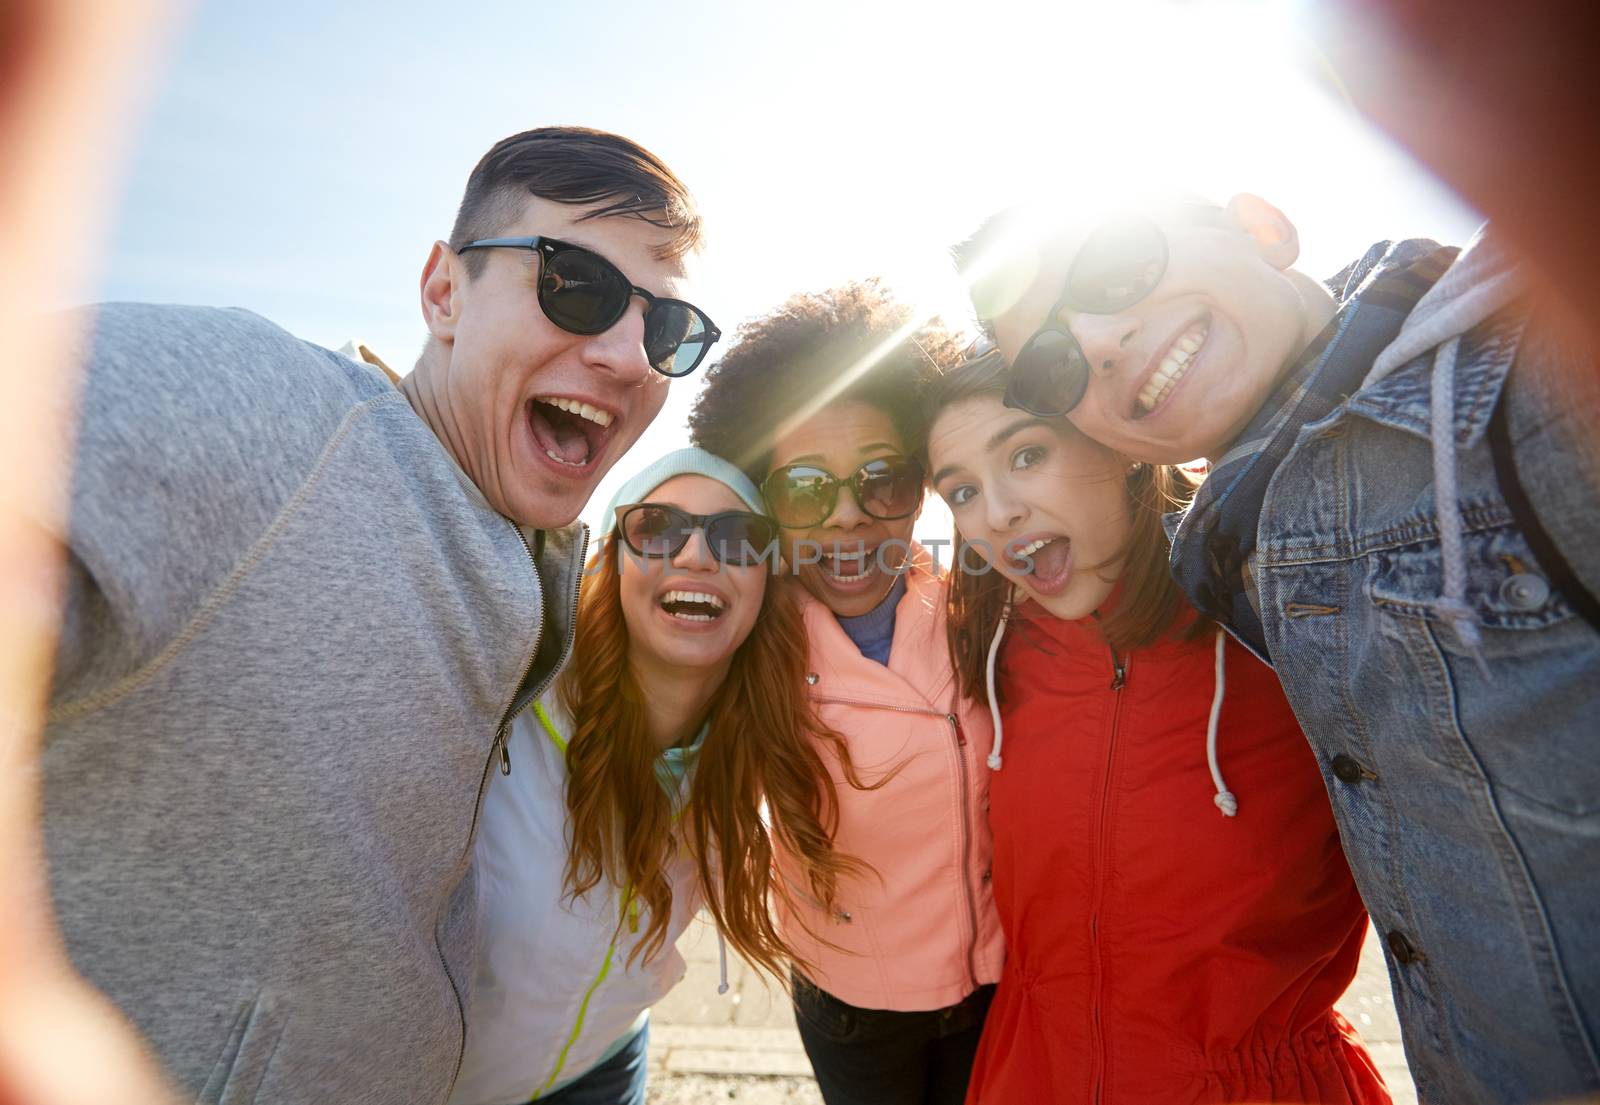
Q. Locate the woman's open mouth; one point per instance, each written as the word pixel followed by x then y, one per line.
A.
pixel 1044 562
pixel 850 570
pixel 692 606
pixel 570 433
pixel 1174 366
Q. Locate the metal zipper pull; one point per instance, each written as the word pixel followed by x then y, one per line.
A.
pixel 955 723
pixel 1121 671
pixel 503 744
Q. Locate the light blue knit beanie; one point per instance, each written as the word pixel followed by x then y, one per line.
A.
pixel 682 462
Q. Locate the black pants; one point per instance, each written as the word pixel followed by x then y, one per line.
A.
pixel 881 1057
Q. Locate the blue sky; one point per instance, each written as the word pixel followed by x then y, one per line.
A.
pixel 299 158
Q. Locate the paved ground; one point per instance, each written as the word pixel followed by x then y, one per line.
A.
pixel 742 1047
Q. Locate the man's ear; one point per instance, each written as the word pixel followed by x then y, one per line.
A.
pixel 442 278
pixel 1275 236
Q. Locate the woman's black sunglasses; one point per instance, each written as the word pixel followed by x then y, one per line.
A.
pixel 583 293
pixel 657 530
pixel 1117 265
pixel 801 495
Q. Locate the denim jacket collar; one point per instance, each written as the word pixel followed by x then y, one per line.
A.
pixel 1400 400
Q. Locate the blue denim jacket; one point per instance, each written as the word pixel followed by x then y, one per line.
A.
pixel 1466 783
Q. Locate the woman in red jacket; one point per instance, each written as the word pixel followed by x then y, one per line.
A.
pixel 1178 914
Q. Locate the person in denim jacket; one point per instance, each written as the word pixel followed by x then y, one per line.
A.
pixel 1400 518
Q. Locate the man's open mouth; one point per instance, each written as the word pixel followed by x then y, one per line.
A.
pixel 570 432
pixel 692 606
pixel 1179 357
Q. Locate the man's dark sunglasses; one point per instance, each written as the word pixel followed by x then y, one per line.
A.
pixel 583 293
pixel 801 495
pixel 657 530
pixel 1117 265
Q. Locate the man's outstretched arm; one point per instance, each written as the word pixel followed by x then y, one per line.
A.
pixel 66 70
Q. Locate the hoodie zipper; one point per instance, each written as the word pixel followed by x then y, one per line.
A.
pixel 513 711
pixel 966 835
pixel 498 750
pixel 1119 679
pixel 502 732
pixel 966 851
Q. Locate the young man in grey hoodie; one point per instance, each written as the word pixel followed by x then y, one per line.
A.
pixel 1401 516
pixel 306 600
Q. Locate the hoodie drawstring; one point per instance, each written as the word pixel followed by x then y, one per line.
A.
pixel 1226 802
pixel 1225 799
pixel 1477 286
pixel 1452 603
pixel 994 703
pixel 722 963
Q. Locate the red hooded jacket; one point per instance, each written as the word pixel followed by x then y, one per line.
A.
pixel 1158 950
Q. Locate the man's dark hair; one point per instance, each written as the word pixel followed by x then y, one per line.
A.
pixel 999 258
pixel 850 344
pixel 990 281
pixel 575 165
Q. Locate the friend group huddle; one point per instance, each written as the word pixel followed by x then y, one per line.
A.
pixel 370 776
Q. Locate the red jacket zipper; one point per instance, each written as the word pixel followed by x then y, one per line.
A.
pixel 1119 679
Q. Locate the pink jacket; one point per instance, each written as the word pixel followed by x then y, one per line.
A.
pixel 922 932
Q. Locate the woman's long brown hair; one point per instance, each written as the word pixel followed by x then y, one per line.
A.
pixel 762 743
pixel 979 597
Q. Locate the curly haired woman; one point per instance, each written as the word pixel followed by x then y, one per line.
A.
pixel 817 402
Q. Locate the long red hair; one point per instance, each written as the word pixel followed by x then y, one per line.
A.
pixel 763 742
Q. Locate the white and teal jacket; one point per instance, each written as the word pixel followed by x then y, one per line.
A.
pixel 554 993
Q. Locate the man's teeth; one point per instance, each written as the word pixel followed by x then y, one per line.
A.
pixel 582 410
pixel 701 598
pixel 1172 366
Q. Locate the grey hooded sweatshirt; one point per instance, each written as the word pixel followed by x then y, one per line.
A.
pixel 295 637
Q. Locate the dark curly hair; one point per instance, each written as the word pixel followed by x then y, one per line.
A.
pixel 855 343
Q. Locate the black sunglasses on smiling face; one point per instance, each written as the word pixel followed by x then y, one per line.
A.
pixel 802 495
pixel 583 293
pixel 1118 264
pixel 660 531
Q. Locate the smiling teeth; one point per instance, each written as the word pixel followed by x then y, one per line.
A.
pixel 1172 367
pixel 582 410
pixel 867 567
pixel 710 600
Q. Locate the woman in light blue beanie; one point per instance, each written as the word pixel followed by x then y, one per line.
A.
pixel 636 790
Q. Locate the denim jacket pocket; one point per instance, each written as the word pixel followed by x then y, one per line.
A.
pixel 1522 704
pixel 241 1067
pixel 1505 586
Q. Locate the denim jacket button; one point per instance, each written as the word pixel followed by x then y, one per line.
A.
pixel 1401 948
pixel 1524 592
pixel 1347 769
